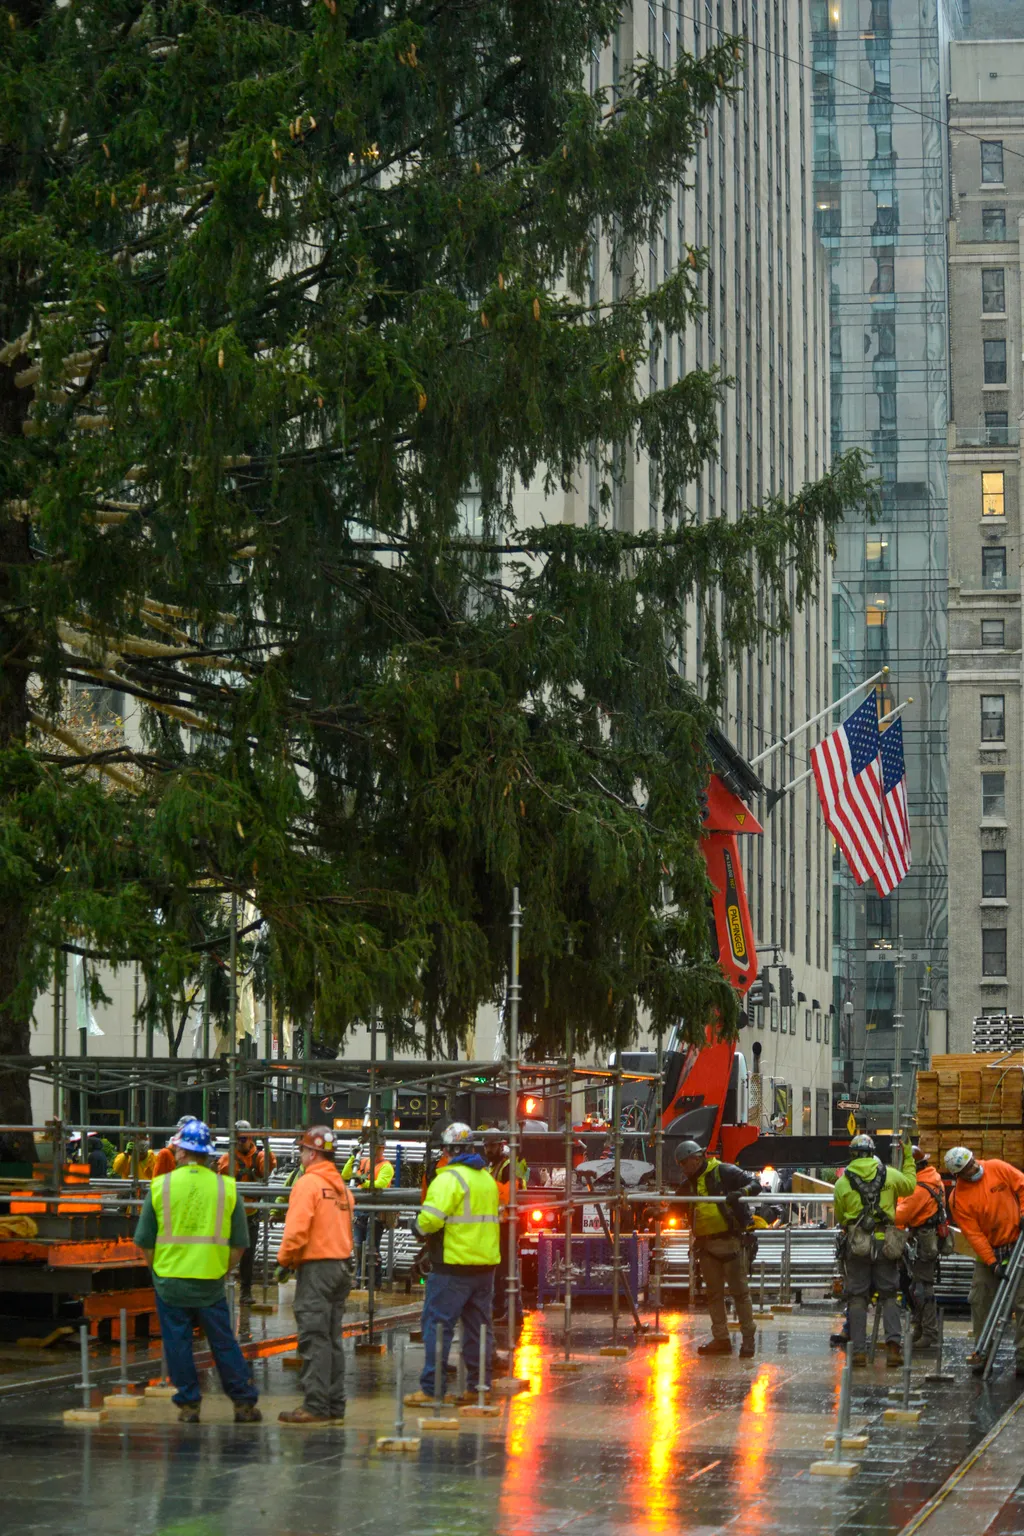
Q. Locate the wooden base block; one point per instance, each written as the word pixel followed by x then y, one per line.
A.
pixel 122 1400
pixel 654 1336
pixel 901 1415
pixel 159 1391
pixel 364 1347
pixel 939 1376
pixel 291 1362
pixel 782 1306
pixel 262 1306
pixel 397 1443
pixel 314 1424
pixel 833 1468
pixel 474 1411
pixel 850 1442
pixel 565 1367
pixel 440 1426
pixel 85 1415
pixel 508 1386
pixel 614 1351
pixel 415 1335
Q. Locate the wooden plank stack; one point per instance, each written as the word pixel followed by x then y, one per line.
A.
pixel 975 1101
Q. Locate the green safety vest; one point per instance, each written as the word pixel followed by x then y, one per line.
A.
pixel 708 1220
pixel 463 1201
pixel 193 1207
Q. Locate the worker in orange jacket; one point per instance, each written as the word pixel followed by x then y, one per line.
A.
pixel 317 1243
pixel 165 1161
pixel 987 1205
pixel 250 1168
pixel 920 1215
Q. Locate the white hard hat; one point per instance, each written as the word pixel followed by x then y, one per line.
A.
pixel 243 1125
pixel 957 1159
pixel 457 1133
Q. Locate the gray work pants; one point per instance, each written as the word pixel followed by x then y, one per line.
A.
pixel 926 1319
pixel 984 1286
pixel 863 1278
pixel 321 1291
pixel 722 1264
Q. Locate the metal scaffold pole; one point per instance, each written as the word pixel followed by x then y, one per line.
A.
pixel 617 1183
pixel 58 956
pixel 567 1261
pixel 513 1123
pixel 897 1072
pixel 659 1177
pixel 233 1044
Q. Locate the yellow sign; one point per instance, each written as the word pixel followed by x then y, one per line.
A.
pixel 851 1125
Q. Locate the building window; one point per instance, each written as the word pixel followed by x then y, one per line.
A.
pixel 993 493
pixel 817 1027
pixel 807 1023
pixel 993 291
pixel 993 224
pixel 995 361
pixel 993 717
pixel 997 429
pixel 876 552
pixel 993 795
pixel 993 634
pixel 993 872
pixel 991 161
pixel 828 1028
pixel 773 1016
pixel 993 951
pixel 993 569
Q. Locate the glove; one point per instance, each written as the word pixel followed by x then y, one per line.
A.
pixel 281 1274
pixel 734 1197
pixel 999 1269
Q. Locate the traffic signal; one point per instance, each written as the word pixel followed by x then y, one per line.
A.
pixel 785 987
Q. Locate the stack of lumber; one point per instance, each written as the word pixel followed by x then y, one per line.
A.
pixel 974 1101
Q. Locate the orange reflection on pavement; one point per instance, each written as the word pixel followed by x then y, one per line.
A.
pixel 661 1433
pixel 524 1436
pixel 755 1435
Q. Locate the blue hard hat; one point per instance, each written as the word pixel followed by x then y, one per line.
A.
pixel 194 1136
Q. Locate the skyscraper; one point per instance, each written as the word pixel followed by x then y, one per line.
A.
pixel 881 205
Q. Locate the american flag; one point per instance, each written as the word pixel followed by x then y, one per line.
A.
pixel 894 810
pixel 848 774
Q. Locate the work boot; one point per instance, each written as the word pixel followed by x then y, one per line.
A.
pixel 246 1299
pixel 303 1416
pixel 716 1347
pixel 247 1413
pixel 860 1358
pixel 893 1357
pixel 188 1413
pixel 747 1347
pixel 838 1340
pixel 421 1400
pixel 976 1362
pixel 917 1334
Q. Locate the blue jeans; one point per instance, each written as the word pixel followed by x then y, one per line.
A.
pixel 448 1298
pixel 176 1325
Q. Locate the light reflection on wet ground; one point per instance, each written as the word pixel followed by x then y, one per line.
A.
pixel 657 1444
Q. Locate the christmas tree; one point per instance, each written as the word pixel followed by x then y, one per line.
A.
pixel 283 291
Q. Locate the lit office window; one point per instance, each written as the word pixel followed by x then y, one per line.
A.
pixel 993 493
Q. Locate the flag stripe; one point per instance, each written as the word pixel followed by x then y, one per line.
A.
pixel 851 803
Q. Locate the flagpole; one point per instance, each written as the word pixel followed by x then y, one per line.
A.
pixel 819 716
pixel 803 777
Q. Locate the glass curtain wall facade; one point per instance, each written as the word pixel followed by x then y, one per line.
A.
pixel 880 201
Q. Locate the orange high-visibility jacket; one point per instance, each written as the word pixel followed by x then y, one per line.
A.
pixel 989 1211
pixel 319 1220
pixel 164 1162
pixel 914 1210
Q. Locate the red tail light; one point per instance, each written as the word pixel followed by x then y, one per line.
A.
pixel 537 1217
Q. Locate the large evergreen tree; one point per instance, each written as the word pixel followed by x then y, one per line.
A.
pixel 281 284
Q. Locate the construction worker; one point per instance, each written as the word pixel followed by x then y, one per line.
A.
pixel 865 1207
pixel 147 1160
pixel 317 1243
pixel 718 1232
pixel 499 1165
pixel 987 1204
pixel 920 1215
pixel 459 1219
pixel 358 1175
pixel 192 1230
pixel 164 1161
pixel 250 1168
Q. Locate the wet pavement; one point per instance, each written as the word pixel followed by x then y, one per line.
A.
pixel 660 1442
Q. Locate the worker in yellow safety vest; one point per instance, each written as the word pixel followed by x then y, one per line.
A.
pixel 459 1219
pixel 719 1230
pixel 192 1229
pixel 122 1168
